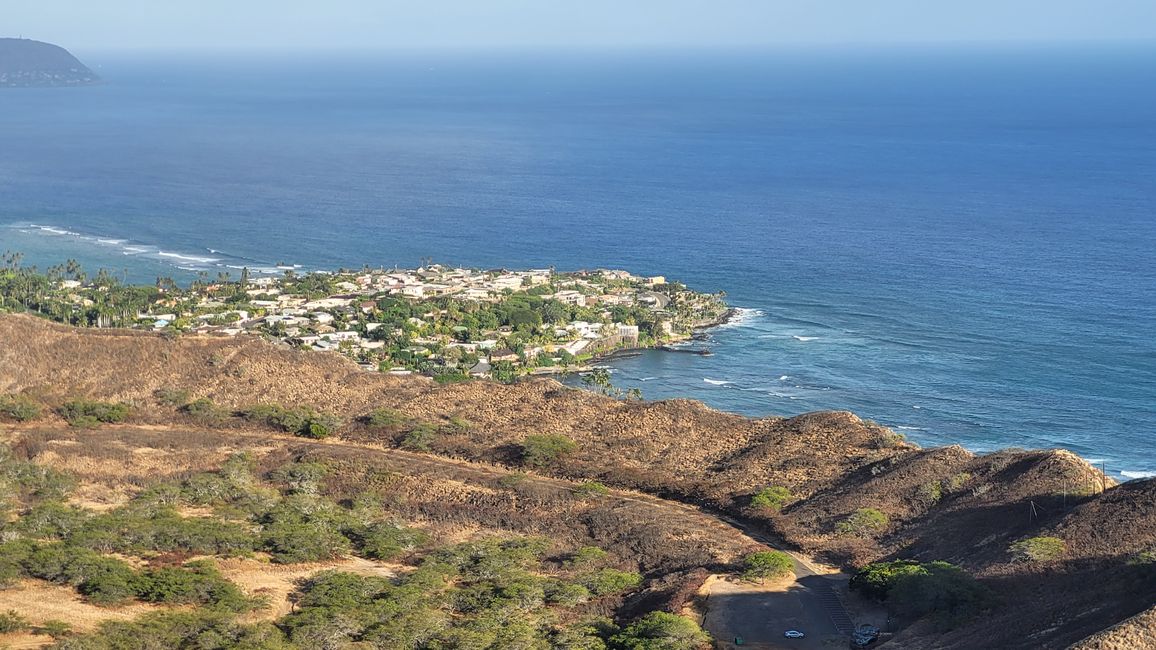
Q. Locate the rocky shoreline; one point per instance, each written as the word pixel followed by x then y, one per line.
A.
pixel 700 333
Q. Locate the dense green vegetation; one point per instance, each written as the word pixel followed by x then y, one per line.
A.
pixel 301 421
pixel 107 302
pixel 87 413
pixel 913 589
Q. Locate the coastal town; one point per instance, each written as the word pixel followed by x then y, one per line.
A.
pixel 445 322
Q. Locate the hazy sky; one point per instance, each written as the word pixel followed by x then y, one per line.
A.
pixel 329 24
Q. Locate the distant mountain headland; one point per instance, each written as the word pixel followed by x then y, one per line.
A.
pixel 25 63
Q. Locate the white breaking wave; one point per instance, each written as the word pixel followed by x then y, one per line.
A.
pixel 742 317
pixel 189 258
pixel 784 378
pixel 182 261
pixel 647 378
pixel 1133 474
pixel 910 428
pixel 804 339
pixel 717 382
pixel 58 231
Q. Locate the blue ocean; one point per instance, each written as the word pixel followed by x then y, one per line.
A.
pixel 960 244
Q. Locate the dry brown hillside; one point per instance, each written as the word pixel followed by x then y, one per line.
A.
pixel 941 504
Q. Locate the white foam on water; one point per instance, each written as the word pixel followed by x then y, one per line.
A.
pixel 1134 474
pixel 189 258
pixel 804 339
pixel 742 317
pixel 717 382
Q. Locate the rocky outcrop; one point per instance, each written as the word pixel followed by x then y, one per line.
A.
pixel 27 63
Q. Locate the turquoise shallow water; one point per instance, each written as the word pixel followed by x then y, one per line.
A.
pixel 957 244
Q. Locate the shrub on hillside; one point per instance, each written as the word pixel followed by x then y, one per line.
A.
pixel 196 583
pixel 943 591
pixel 540 450
pixel 876 579
pixel 611 581
pixel 863 522
pixel 85 413
pixel 931 492
pixel 1037 549
pixel 456 425
pixel 661 631
pixel 11 621
pixel 767 564
pixel 300 421
pixel 771 499
pixel 590 490
pixel 20 408
pixel 386 541
pixel 384 418
pixel 31 482
pixel 205 411
pixel 171 396
pixel 912 589
pixel 305 528
pixel 587 556
pixel 181 629
pixel 420 438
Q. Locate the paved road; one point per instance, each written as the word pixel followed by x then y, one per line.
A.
pixel 760 616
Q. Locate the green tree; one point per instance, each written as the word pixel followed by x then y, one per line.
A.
pixel 767 564
pixel 661 631
pixel 611 581
pixel 912 589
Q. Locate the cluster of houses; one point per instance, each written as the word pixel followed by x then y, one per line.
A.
pixel 344 321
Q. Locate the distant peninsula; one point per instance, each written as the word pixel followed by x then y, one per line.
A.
pixel 28 63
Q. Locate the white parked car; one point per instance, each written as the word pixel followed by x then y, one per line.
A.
pixel 793 634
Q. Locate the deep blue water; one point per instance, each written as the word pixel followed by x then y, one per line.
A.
pixel 960 244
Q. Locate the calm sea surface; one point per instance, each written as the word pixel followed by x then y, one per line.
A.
pixel 961 245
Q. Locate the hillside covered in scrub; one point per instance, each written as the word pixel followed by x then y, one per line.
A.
pixel 1042 550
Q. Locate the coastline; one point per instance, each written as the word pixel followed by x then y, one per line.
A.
pixel 698 333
